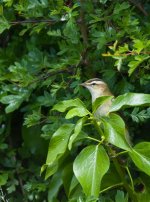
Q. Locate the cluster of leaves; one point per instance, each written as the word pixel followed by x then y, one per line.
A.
pixel 47 48
pixel 93 162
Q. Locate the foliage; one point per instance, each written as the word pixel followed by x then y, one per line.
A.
pixel 47 49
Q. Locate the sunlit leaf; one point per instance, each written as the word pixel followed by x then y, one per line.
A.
pixel 99 101
pixel 89 167
pixel 77 111
pixel 57 147
pixel 141 156
pixel 129 100
pixel 64 105
pixel 115 131
pixel 77 130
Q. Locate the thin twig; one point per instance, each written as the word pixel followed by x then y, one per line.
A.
pixel 126 54
pixel 139 6
pixel 32 21
pixel 47 75
pixel 83 26
pixel 111 187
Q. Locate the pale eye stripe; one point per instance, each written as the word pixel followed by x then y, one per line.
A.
pixel 96 82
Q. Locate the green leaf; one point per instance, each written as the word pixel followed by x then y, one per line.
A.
pixel 3 24
pixel 54 186
pixel 111 178
pixel 14 101
pixel 33 118
pixel 134 64
pixel 71 31
pixel 57 147
pixel 115 131
pixel 140 116
pixel 3 178
pixel 89 167
pixel 120 197
pixel 67 176
pixel 103 1
pixel 119 7
pixel 129 100
pixel 55 33
pixel 99 101
pixel 77 111
pixel 77 131
pixel 8 2
pixel 141 156
pixel 64 105
pixel 138 45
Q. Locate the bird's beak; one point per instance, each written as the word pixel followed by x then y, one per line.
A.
pixel 83 84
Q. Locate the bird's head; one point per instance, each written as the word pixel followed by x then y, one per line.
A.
pixel 97 88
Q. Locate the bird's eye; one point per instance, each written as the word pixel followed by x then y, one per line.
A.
pixel 93 84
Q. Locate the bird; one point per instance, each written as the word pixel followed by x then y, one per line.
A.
pixel 98 88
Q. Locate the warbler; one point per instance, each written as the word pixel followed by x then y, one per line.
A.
pixel 98 88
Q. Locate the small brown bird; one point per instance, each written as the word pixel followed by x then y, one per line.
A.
pixel 99 88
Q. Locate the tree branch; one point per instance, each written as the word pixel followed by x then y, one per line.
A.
pixel 32 21
pixel 139 6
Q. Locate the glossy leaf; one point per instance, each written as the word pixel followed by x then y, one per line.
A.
pixel 141 156
pixel 57 147
pixel 89 167
pixel 129 100
pixel 64 105
pixel 54 186
pixel 77 131
pixel 77 111
pixel 99 101
pixel 115 131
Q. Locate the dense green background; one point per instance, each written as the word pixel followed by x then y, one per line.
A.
pixel 48 47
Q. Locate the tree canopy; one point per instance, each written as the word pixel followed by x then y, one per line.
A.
pixel 47 48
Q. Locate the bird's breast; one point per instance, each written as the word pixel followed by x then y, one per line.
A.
pixel 103 109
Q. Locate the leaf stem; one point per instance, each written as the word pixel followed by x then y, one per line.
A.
pixel 121 173
pixel 128 171
pixel 111 187
pixel 120 153
pixel 98 128
pixel 91 138
pixel 119 169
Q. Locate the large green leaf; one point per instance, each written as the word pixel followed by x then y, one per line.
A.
pixel 54 187
pixel 64 105
pixel 57 147
pixel 77 111
pixel 130 100
pixel 89 167
pixel 115 131
pixel 77 131
pixel 141 156
pixel 99 101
